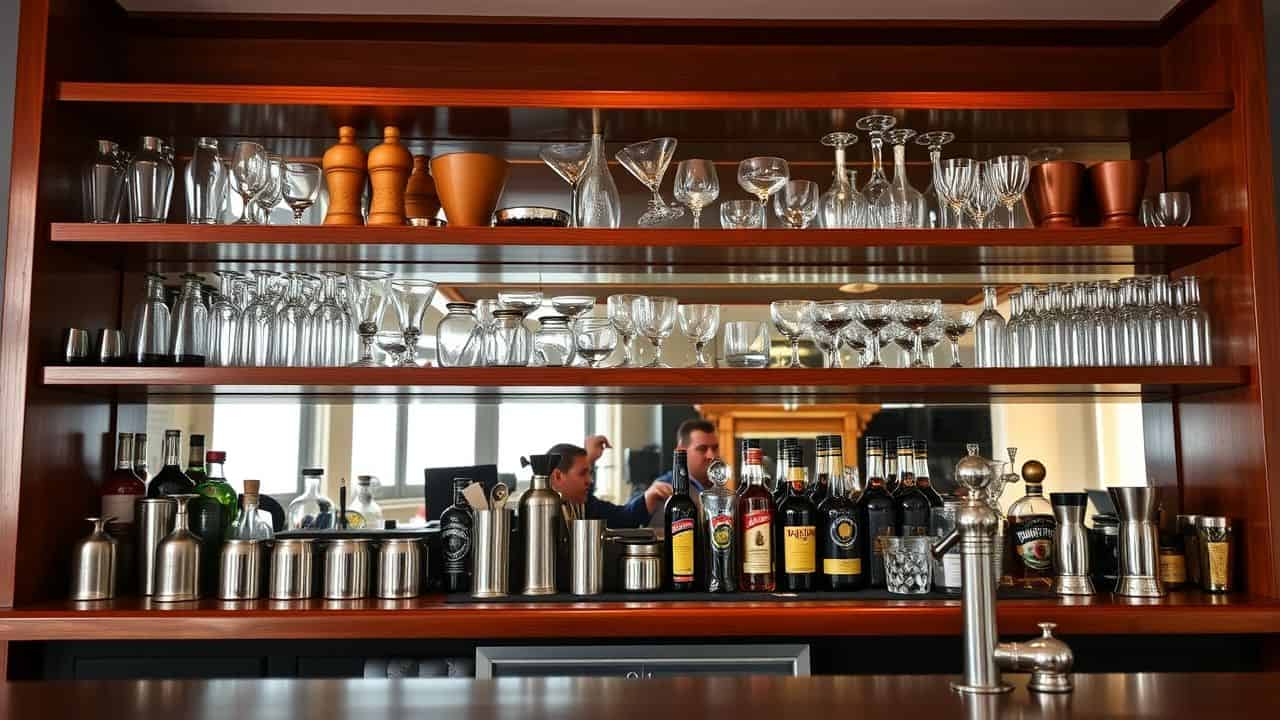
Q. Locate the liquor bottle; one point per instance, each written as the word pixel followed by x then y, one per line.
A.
pixel 170 480
pixel 140 457
pixel 455 536
pixel 755 510
pixel 312 510
pixel 781 469
pixel 922 474
pixel 890 471
pixel 122 489
pixel 719 529
pixel 251 524
pixel 841 538
pixel 680 522
pixel 877 513
pixel 747 445
pixel 911 505
pixel 364 503
pixel 195 460
pixel 797 522
pixel 1031 525
pixel 216 488
pixel 821 486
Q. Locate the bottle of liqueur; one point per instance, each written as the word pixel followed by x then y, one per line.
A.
pixel 455 536
pixel 890 470
pixel 922 474
pixel 210 517
pixel 171 480
pixel 797 530
pixel 911 504
pixel 719 529
pixel 821 486
pixel 755 539
pixel 876 512
pixel 120 494
pixel 195 460
pixel 841 541
pixel 1031 526
pixel 140 457
pixel 216 488
pixel 680 522
pixel 781 474
pixel 748 444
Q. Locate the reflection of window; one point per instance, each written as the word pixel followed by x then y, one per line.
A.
pixel 532 428
pixel 439 436
pixel 261 441
pixel 373 443
pixel 396 442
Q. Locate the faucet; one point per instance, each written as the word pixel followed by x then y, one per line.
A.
pixel 1047 658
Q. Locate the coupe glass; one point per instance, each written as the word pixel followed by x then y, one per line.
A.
pixel 827 343
pixel 224 322
pixel 568 160
pixel 256 322
pixel 621 314
pixel 937 211
pixel 522 301
pixel 956 325
pixel 746 344
pixel 655 317
pixel 875 126
pixel 291 332
pixel 900 205
pixel 762 177
pixel 302 183
pixel 249 169
pixel 412 298
pixel 573 306
pixel 699 323
pixel 792 318
pixel 983 196
pixel 855 336
pixel 1010 175
pixel 367 292
pixel 842 205
pixel 875 316
pixel 929 339
pixel 595 339
pixel 739 215
pixel 916 315
pixel 953 178
pixel 272 191
pixel 1172 209
pixel 330 326
pixel 648 161
pixel 697 185
pixel 904 340
pixel 833 316
pixel 189 324
pixel 796 205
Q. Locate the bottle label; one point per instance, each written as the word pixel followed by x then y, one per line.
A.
pixel 722 532
pixel 757 548
pixel 1219 572
pixel 951 570
pixel 800 549
pixel 843 532
pixel 1033 540
pixel 120 507
pixel 456 539
pixel 682 542
pixel 1173 568
pixel 842 566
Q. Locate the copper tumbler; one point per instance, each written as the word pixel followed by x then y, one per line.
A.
pixel 1055 192
pixel 469 185
pixel 1118 186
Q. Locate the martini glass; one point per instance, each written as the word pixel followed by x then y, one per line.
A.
pixel 648 161
pixel 568 160
pixel 935 206
pixel 916 315
pixel 412 298
pixel 368 296
pixel 762 177
pixel 875 127
pixel 874 315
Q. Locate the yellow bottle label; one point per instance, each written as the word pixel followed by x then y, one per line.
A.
pixel 800 549
pixel 757 544
pixel 842 566
pixel 1219 571
pixel 682 543
pixel 1173 568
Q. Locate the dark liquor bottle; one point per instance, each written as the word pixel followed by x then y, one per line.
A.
pixel 922 474
pixel 890 471
pixel 122 489
pixel 195 460
pixel 841 539
pixel 797 521
pixel 680 520
pixel 877 513
pixel 912 505
pixel 1031 525
pixel 455 536
pixel 821 487
pixel 171 480
pixel 781 468
pixel 755 510
pixel 211 516
pixel 140 457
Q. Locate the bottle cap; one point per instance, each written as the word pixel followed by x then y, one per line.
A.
pixel 1033 472
pixel 754 456
pixel 197 439
pixel 313 472
pixel 215 456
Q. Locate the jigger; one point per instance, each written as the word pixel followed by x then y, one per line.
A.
pixel 1070 544
pixel 1139 542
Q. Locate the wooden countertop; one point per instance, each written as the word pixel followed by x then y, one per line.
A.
pixel 1164 696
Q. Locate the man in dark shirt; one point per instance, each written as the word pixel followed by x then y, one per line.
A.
pixel 572 478
pixel 698 438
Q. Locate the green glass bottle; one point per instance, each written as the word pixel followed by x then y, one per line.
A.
pixel 216 487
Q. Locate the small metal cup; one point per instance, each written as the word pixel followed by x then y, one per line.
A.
pixel 588 557
pixel 75 345
pixel 240 570
pixel 492 552
pixel 93 565
pixel 291 569
pixel 110 346
pixel 346 569
pixel 399 568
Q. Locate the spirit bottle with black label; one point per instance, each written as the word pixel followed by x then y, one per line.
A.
pixel 911 504
pixel 841 538
pixel 922 474
pixel 680 520
pixel 797 542
pixel 455 539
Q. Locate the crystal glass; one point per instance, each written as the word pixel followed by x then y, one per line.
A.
pixel 1195 325
pixel 696 185
pixel 512 342
pixel 990 339
pixel 762 177
pixel 149 330
pixel 391 343
pixel 302 182
pixel 908 564
pixel 291 331
pixel 955 326
pixel 856 337
pixel 249 168
pixel 206 183
pixel 903 339
pixel 553 343
pixel 272 191
pixel 368 292
pixel 875 126
pixel 150 182
pixel 412 298
pixel 796 204
pixel 102 181
pixel 828 344
pixel 569 161
pixel 953 178
pixel 648 161
pixel 224 322
pixel 746 344
pixel 982 195
pixel 842 205
pixel 900 205
pixel 1172 209
pixel 930 337
pixel 459 337
pixel 621 314
pixel 739 215
pixel 916 315
pixel 875 316
pixel 655 318
pixel 699 322
pixel 256 323
pixel 573 306
pixel 189 324
pixel 833 316
pixel 522 301
pixel 937 212
pixel 596 197
pixel 792 318
pixel 1010 175
pixel 595 339
pixel 331 328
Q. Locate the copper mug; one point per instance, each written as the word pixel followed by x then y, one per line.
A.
pixel 1118 186
pixel 1055 192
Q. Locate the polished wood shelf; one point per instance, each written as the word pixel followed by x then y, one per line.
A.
pixel 659 385
pixel 430 617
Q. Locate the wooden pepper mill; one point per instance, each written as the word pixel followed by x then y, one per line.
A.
pixel 344 168
pixel 420 199
pixel 389 166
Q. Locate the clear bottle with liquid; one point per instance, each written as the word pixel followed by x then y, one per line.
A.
pixel 311 510
pixel 363 502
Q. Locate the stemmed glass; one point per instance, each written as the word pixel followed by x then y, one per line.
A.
pixel 594 339
pixel 904 340
pixel 256 322
pixel 954 179
pixel 1010 175
pixel 916 315
pixel 792 318
pixel 935 204
pixel 330 326
pixel 573 307
pixel 621 314
pixel 224 322
pixel 929 339
pixel 956 325
pixel 900 205
pixel 842 205
pixel 982 199
pixel 412 298
pixel 522 301
pixel 291 331
pixel 696 185
pixel 739 215
pixel 699 323
pixel 875 126
pixel 648 161
pixel 655 317
pixel 874 315
pixel 833 316
pixel 368 295
pixel 855 336
pixel 301 187
pixel 249 168
pixel 391 343
pixel 272 191
pixel 762 177
pixel 796 205
pixel 568 160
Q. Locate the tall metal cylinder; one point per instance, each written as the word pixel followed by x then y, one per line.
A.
pixel 1139 542
pixel 491 574
pixel 155 522
pixel 540 523
pixel 1070 545
pixel 588 557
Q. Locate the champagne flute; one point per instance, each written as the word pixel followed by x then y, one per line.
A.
pixel 762 177
pixel 697 186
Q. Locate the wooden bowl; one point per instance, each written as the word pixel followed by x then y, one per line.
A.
pixel 469 185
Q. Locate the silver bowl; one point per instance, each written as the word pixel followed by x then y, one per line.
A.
pixel 531 216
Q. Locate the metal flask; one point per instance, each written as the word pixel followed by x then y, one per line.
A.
pixel 177 570
pixel 1070 545
pixel 540 521
pixel 93 564
pixel 720 530
pixel 1139 542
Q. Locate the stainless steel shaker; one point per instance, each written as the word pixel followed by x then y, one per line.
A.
pixel 1070 544
pixel 155 522
pixel 491 574
pixel 1139 542
pixel 588 557
pixel 177 567
pixel 540 523
pixel 93 564
pixel 399 568
pixel 346 569
pixel 291 569
pixel 240 570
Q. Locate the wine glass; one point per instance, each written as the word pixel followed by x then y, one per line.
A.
pixel 875 126
pixel 367 292
pixel 956 325
pixel 655 317
pixel 189 324
pixel 935 205
pixel 696 185
pixel 983 198
pixel 796 205
pixel 249 168
pixel 224 322
pixel 648 161
pixel 833 316
pixel 739 215
pixel 900 205
pixel 272 191
pixel 762 177
pixel 954 179
pixel 301 187
pixel 842 205
pixel 594 339
pixel 916 315
pixel 874 315
pixel 1010 175
pixel 412 298
pixel 699 323
pixel 621 314
pixel 568 160
pixel 792 318
pixel 330 326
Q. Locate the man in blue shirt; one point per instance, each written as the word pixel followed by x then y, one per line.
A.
pixel 572 478
pixel 698 438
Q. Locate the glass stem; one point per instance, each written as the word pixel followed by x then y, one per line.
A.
pixel 955 354
pixel 656 202
pixel 627 357
pixel 877 168
pixel 697 216
pixel 297 215
pixel 367 332
pixel 411 347
pixel 874 347
pixel 764 215
pixel 917 350
pixel 573 204
pixel 697 351
pixel 246 214
pixel 795 352
pixel 657 351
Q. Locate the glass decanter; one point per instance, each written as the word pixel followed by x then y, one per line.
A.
pixel 1195 325
pixel 597 201
pixel 363 502
pixel 937 212
pixel 900 205
pixel 842 206
pixel 150 182
pixel 311 509
pixel 459 340
pixel 875 126
pixel 989 332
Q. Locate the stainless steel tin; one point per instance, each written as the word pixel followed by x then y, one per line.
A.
pixel 1216 544
pixel 1070 545
pixel 492 540
pixel 588 557
pixel 531 216
pixel 240 570
pixel 177 566
pixel 155 521
pixel 93 564
pixel 428 222
pixel 346 569
pixel 399 568
pixel 1139 542
pixel 291 569
pixel 540 523
pixel 641 567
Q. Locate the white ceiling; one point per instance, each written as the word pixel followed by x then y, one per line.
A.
pixel 1114 10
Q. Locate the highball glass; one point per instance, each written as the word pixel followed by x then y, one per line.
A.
pixel 206 182
pixel 746 344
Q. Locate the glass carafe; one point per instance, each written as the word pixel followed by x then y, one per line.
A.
pixel 189 326
pixel 842 206
pixel 989 332
pixel 459 339
pixel 150 182
pixel 363 502
pixel 1195 325
pixel 290 334
pixel 102 183
pixel 311 510
pixel 149 333
pixel 597 200
pixel 900 205
pixel 206 183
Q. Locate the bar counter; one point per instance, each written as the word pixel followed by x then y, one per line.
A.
pixel 1164 696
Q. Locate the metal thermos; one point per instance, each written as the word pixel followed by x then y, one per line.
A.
pixel 489 578
pixel 540 522
pixel 177 568
pixel 93 564
pixel 1215 542
pixel 240 570
pixel 1070 544
pixel 155 522
pixel 291 569
pixel 346 569
pixel 588 557
pixel 399 568
pixel 1139 542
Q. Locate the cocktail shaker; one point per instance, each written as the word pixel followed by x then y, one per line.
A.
pixel 399 568
pixel 490 577
pixel 346 569
pixel 155 522
pixel 240 570
pixel 588 557
pixel 93 564
pixel 540 526
pixel 291 569
pixel 177 566
pixel 1070 545
pixel 1139 542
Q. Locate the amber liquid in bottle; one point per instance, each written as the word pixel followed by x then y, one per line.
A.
pixel 1031 526
pixel 755 539
pixel 796 540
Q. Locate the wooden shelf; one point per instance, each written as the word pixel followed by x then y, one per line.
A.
pixel 431 617
pixel 659 385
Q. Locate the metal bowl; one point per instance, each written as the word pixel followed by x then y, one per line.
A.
pixel 427 222
pixel 531 216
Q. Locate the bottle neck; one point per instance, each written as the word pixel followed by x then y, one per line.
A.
pixel 906 468
pixel 753 470
pixel 841 177
pixel 922 469
pixel 1035 489
pixel 124 452
pixel 140 451
pixel 155 288
pixel 312 484
pixel 226 285
pixel 459 495
pixel 171 449
pixel 195 458
pixel 680 474
pixel 215 472
pixel 989 298
pixel 875 468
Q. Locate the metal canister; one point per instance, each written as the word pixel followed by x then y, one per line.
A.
pixel 641 566
pixel 291 569
pixel 240 570
pixel 541 523
pixel 946 569
pixel 588 557
pixel 155 522
pixel 399 568
pixel 346 569
pixel 492 539
pixel 93 564
pixel 1217 552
